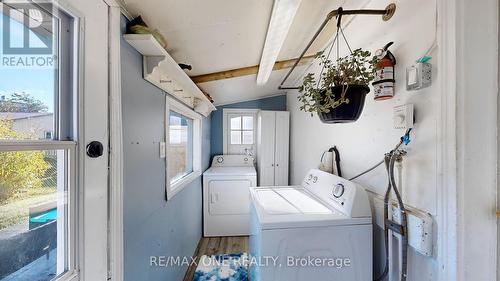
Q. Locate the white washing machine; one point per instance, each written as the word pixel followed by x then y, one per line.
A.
pixel 226 196
pixel 320 230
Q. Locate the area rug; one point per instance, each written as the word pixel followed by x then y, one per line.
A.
pixel 227 267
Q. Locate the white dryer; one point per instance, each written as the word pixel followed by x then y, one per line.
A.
pixel 226 196
pixel 320 230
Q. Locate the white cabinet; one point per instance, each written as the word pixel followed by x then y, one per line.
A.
pixel 273 147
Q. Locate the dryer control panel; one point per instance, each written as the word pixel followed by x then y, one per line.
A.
pixel 341 194
pixel 232 161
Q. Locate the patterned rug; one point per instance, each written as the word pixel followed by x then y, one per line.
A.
pixel 228 267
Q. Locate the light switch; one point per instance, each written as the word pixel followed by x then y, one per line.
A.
pixel 418 76
pixel 163 149
pixel 412 76
pixel 403 116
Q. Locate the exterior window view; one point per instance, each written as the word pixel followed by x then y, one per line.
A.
pixel 180 164
pixel 33 170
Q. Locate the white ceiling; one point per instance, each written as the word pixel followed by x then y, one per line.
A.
pixel 222 35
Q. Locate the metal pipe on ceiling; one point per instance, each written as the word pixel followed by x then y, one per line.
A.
pixel 387 14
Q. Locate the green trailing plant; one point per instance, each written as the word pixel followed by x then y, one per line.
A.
pixel 355 69
pixel 20 171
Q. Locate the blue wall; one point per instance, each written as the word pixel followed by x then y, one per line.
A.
pixel 153 226
pixel 277 103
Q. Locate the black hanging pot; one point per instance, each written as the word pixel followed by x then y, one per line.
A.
pixel 348 111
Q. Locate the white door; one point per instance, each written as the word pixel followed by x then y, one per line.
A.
pixel 266 143
pixel 281 148
pixel 93 100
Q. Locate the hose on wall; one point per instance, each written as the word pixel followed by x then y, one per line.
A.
pixel 390 226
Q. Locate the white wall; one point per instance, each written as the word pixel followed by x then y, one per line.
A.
pixel 35 126
pixel 363 143
pixel 477 95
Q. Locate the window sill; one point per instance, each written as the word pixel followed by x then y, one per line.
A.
pixel 181 184
pixel 69 276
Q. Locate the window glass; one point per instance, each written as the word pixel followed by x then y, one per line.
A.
pixel 235 137
pixel 35 231
pixel 241 131
pixel 180 149
pixel 247 123
pixel 29 71
pixel 33 215
pixel 247 137
pixel 236 123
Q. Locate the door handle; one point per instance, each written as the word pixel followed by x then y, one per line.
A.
pixel 95 149
pixel 277 165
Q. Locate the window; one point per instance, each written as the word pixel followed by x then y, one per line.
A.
pixel 37 144
pixel 183 146
pixel 242 130
pixel 239 130
pixel 180 147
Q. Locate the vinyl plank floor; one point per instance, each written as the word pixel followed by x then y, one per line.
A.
pixel 217 246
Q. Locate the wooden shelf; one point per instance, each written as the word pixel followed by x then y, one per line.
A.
pixel 162 70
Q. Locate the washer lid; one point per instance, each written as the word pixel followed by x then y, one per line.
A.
pixel 293 207
pixel 230 171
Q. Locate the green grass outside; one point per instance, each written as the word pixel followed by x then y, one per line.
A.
pixel 16 210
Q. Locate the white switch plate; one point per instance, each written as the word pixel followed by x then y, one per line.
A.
pixel 403 116
pixel 163 149
pixel 418 76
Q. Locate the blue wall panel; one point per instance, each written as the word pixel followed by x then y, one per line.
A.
pixel 153 226
pixel 277 103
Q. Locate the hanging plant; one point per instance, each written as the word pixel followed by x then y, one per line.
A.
pixel 338 95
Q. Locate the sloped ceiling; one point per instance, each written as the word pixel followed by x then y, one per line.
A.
pixel 220 35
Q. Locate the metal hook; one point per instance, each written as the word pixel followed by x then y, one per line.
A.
pixel 339 16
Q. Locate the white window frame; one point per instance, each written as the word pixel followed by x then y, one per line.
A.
pixel 174 105
pixel 72 162
pixel 226 126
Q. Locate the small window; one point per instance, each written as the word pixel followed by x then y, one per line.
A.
pixel 183 141
pixel 242 128
pixel 180 148
pixel 239 128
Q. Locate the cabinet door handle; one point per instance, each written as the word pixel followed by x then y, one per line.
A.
pixel 277 165
pixel 272 165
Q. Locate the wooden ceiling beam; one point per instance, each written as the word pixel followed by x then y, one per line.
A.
pixel 249 70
